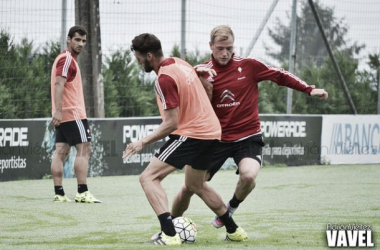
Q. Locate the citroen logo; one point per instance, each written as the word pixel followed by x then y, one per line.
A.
pixel 227 95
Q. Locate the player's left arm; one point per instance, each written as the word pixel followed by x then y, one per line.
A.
pixel 285 78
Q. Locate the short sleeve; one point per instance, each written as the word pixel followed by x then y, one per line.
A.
pixel 66 68
pixel 167 90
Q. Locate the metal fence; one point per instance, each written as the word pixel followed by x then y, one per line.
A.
pixel 40 21
pixel 121 20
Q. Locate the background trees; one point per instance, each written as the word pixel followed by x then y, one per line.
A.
pixel 128 91
pixel 25 74
pixel 315 67
pixel 25 78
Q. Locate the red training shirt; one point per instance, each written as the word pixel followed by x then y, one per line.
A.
pixel 235 93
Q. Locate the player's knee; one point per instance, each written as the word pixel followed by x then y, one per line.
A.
pixel 207 176
pixel 248 178
pixel 186 191
pixel 63 156
pixel 56 171
pixel 194 187
pixel 143 179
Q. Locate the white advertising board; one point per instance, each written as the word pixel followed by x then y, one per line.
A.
pixel 350 139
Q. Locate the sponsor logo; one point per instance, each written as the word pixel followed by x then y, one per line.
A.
pixel 349 235
pixel 14 137
pixel 228 105
pixel 188 72
pixel 242 77
pixel 139 158
pixel 227 95
pixel 283 128
pixel 12 163
pixel 133 133
pixel 351 138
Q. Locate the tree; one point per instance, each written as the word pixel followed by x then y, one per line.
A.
pixel 374 64
pixel 315 67
pixel 127 92
pixel 193 58
pixel 25 78
pixel 309 42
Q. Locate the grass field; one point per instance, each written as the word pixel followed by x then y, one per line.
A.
pixel 289 209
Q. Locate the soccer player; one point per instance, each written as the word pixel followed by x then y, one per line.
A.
pixel 69 117
pixel 193 130
pixel 234 97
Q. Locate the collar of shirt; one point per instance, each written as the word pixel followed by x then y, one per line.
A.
pixel 222 67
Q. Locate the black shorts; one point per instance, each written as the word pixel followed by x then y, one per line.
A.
pixel 179 151
pixel 73 132
pixel 247 148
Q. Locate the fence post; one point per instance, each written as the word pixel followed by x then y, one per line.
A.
pixel 63 25
pixel 90 60
pixel 183 29
pixel 292 54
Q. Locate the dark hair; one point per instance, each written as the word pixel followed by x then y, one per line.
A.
pixel 77 29
pixel 145 43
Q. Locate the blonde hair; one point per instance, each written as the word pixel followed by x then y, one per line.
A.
pixel 222 31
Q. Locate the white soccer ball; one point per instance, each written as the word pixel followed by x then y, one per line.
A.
pixel 186 228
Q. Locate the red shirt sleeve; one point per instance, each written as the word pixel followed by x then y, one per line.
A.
pixel 66 68
pixel 280 76
pixel 167 90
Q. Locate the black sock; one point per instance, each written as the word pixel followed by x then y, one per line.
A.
pixel 82 188
pixel 234 202
pixel 59 190
pixel 166 224
pixel 229 223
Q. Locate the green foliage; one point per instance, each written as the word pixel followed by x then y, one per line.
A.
pixel 193 58
pixel 374 73
pixel 359 85
pixel 25 78
pixel 315 67
pixel 309 42
pixel 272 98
pixel 25 82
pixel 127 92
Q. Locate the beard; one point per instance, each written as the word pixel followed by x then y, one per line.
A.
pixel 147 67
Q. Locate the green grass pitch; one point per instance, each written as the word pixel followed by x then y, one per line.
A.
pixel 289 209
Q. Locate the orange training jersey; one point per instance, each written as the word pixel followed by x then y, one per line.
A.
pixel 73 107
pixel 179 86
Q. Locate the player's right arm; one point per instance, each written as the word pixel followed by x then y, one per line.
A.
pixel 168 125
pixel 58 94
pixel 167 92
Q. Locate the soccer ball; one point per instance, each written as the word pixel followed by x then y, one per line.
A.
pixel 186 228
